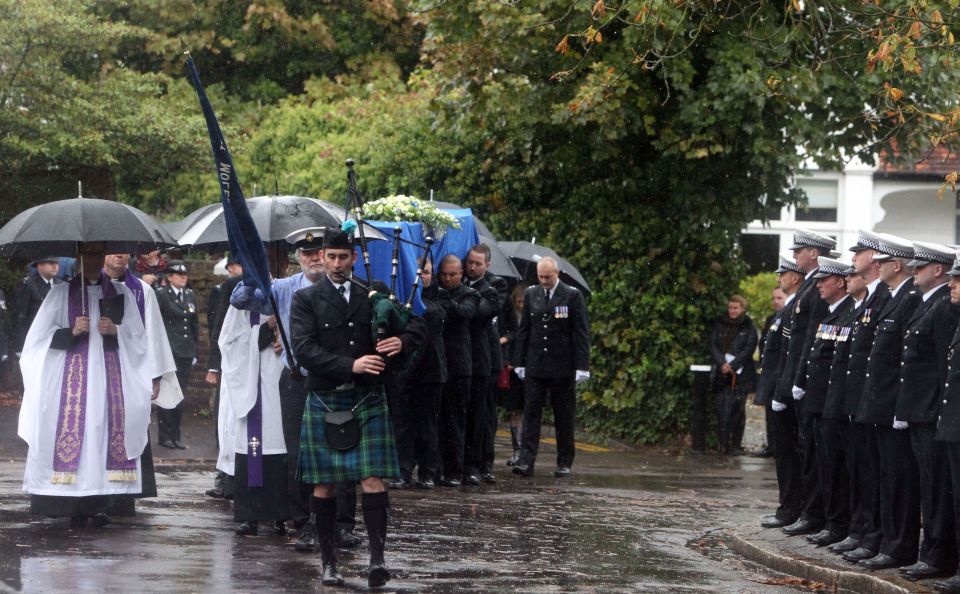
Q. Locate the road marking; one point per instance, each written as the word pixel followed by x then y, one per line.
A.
pixel 583 447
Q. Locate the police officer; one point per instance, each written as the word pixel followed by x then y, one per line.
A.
pixel 30 293
pixel 178 307
pixel 923 373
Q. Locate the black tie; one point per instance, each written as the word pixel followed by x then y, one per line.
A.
pixel 343 291
pixel 546 295
pixel 180 296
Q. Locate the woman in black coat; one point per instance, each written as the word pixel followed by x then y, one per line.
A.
pixel 732 344
pixel 509 385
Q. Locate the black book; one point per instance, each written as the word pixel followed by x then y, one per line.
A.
pixel 112 307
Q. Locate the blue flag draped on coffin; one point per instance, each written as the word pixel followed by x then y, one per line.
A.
pixel 245 243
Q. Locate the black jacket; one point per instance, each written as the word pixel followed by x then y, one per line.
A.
pixel 27 298
pixel 862 334
pixel 481 327
pixel 833 407
pixel 923 371
pixel 493 331
pixel 430 366
pixel 220 313
pixel 817 363
pixel 807 310
pixel 509 323
pixel 463 305
pixel 329 334
pixel 181 321
pixel 742 347
pixel 553 340
pixel 883 366
pixel 770 358
pixel 948 423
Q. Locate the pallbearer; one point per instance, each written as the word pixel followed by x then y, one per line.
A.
pixel 251 375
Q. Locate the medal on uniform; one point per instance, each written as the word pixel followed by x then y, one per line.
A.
pixel 866 316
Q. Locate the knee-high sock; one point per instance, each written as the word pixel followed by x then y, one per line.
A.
pixel 375 510
pixel 326 513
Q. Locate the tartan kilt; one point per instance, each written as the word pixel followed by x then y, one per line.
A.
pixel 375 456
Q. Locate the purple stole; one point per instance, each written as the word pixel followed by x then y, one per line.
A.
pixel 136 287
pixel 255 428
pixel 71 421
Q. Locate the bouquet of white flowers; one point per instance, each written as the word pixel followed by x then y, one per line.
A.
pixel 409 209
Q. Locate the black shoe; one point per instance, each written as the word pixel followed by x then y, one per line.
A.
pixel 168 443
pixel 216 493
pixel 922 571
pixel 802 527
pixel 523 470
pixel 426 484
pixel 881 561
pixel 377 576
pixel 330 576
pixel 471 479
pixel 514 459
pixel 859 555
pixel 99 520
pixel 179 445
pixel 248 528
pixel 948 586
pixel 448 482
pixel 766 452
pixel 488 478
pixel 307 538
pixel 562 472
pixel 773 522
pixel 399 484
pixel 347 539
pixel 847 544
pixel 280 528
pixel 824 538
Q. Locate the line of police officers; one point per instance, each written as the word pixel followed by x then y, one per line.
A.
pixel 859 374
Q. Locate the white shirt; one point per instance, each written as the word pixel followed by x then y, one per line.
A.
pixel 893 292
pixel 836 304
pixel 346 292
pixel 932 291
pixel 872 286
pixel 789 298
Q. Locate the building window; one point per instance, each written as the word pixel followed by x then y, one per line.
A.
pixel 822 196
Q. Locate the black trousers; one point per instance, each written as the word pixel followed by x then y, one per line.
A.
pixel 809 473
pixel 425 413
pixel 768 424
pixel 400 404
pixel 293 397
pixel 490 434
pixel 787 457
pixel 560 392
pixel 863 466
pixel 730 417
pixel 481 410
pixel 832 468
pixel 939 544
pixel 452 429
pixel 953 466
pixel 899 495
pixel 168 420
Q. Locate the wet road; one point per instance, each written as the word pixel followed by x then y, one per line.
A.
pixel 639 521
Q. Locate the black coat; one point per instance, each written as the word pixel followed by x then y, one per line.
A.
pixel 948 424
pixel 923 371
pixel 862 334
pixel 463 305
pixel 430 366
pixel 807 309
pixel 833 407
pixel 328 335
pixel 493 332
pixel 181 321
pixel 27 298
pixel 553 340
pixel 883 367
pixel 220 313
pixel 817 364
pixel 742 347
pixel 481 326
pixel 770 358
pixel 509 323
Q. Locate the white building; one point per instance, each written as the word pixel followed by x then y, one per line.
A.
pixel 898 200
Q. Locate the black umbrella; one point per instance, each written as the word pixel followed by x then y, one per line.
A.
pixel 55 229
pixel 526 255
pixel 500 263
pixel 274 216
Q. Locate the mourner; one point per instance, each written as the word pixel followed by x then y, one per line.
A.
pixel 346 425
pixel 178 306
pixel 553 355
pixel 30 293
pixel 732 344
pixel 511 386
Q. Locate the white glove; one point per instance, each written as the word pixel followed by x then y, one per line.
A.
pixel 899 424
pixel 194 362
pixel 582 376
pixel 520 371
pixel 798 393
pixel 778 406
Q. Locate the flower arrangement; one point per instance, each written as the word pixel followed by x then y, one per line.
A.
pixel 411 210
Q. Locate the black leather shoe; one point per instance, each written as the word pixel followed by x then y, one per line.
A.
pixel 859 555
pixel 448 482
pixel 802 527
pixel 488 478
pixel 168 443
pixel 99 520
pixel 773 522
pixel 847 544
pixel 247 529
pixel 377 576
pixel 426 484
pixel 179 445
pixel 280 528
pixel 881 561
pixel 471 479
pixel 948 586
pixel 514 459
pixel 522 470
pixel 307 539
pixel 824 538
pixel 347 539
pixel 216 493
pixel 922 571
pixel 331 575
pixel 399 484
pixel 562 472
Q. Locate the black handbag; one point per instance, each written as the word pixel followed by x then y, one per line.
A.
pixel 341 427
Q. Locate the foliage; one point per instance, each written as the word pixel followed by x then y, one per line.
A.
pixel 410 209
pixel 756 289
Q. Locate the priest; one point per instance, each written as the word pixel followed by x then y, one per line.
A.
pixel 87 392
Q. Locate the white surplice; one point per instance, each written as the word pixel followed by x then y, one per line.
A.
pixel 243 366
pixel 42 369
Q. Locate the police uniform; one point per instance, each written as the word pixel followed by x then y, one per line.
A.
pixel 27 298
pixel 179 312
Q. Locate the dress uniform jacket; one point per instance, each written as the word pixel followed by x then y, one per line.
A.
pixel 807 311
pixel 862 334
pixel 924 366
pixel 27 299
pixel 770 355
pixel 553 340
pixel 480 327
pixel 461 308
pixel 836 385
pixel 816 366
pixel 181 320
pixel 948 424
pixel 328 334
pixel 883 367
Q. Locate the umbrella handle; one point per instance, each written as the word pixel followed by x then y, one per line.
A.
pixel 83 289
